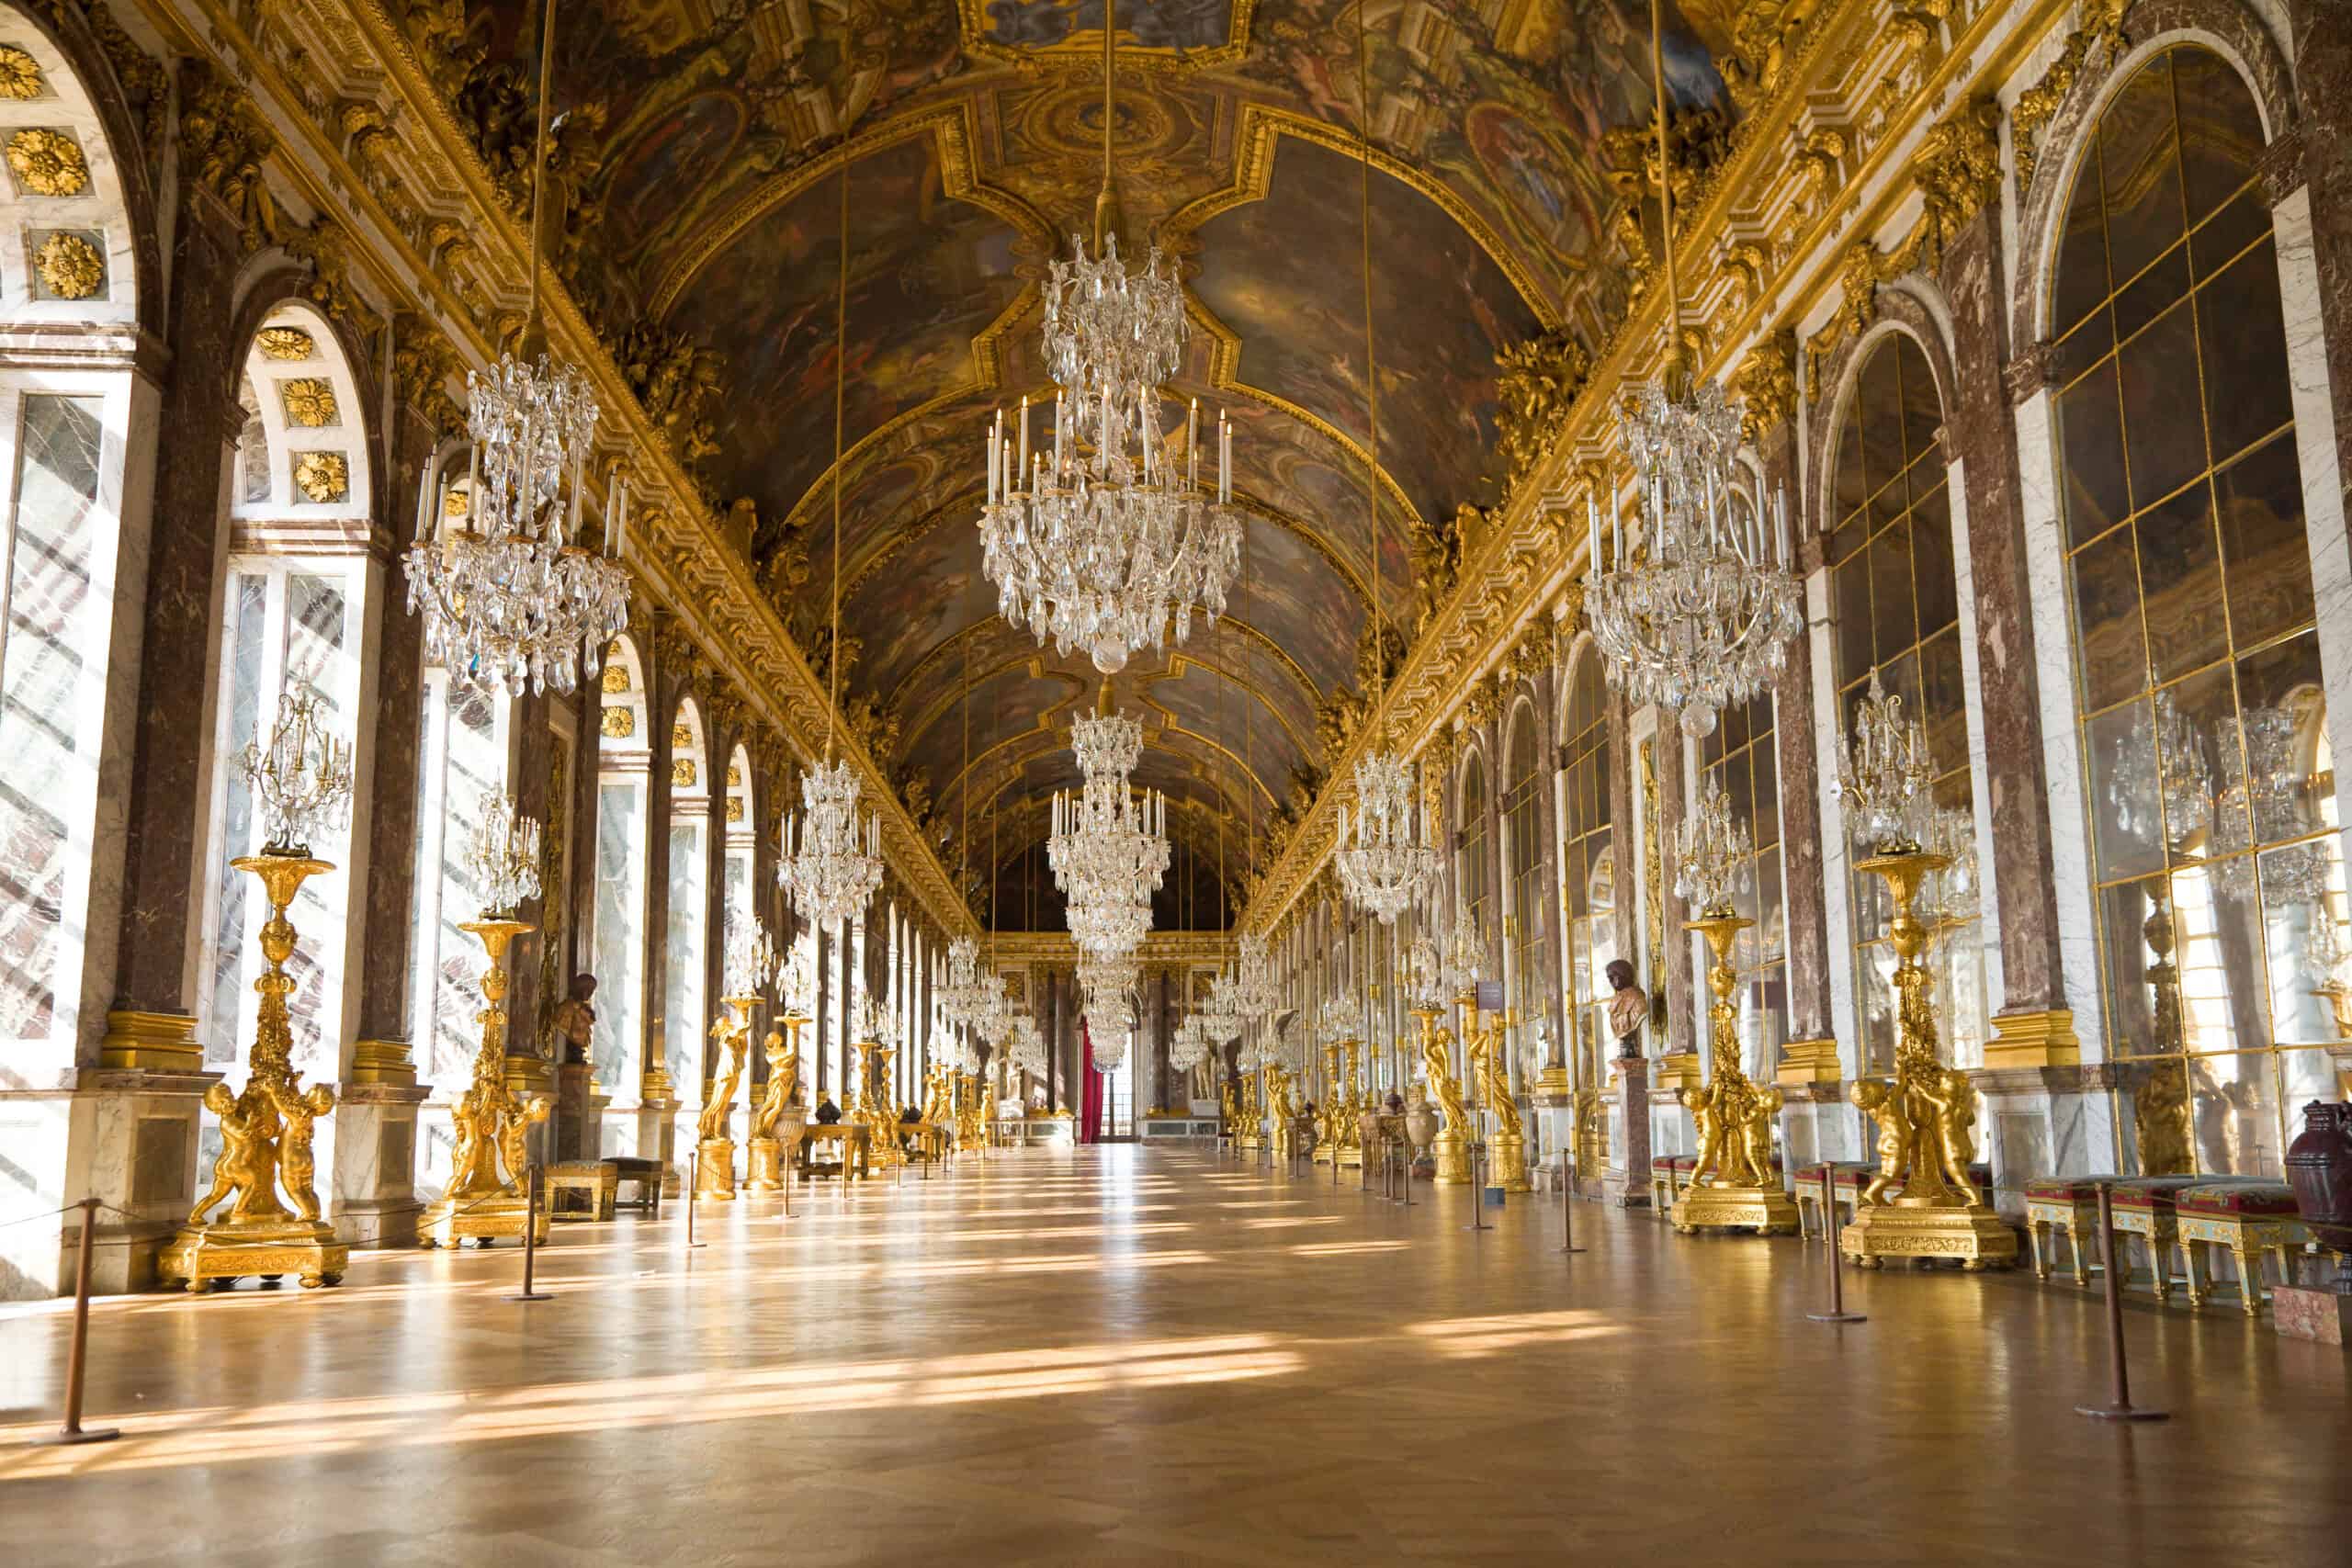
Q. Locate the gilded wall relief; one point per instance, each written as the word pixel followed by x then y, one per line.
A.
pixel 1158 32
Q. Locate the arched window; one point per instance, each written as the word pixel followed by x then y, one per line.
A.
pixel 67 281
pixel 1740 757
pixel 1897 610
pixel 617 942
pixel 293 608
pixel 2219 883
pixel 1587 869
pixel 1473 882
pixel 682 1006
pixel 1528 982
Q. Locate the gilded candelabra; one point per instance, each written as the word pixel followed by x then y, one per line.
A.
pixel 1733 1184
pixel 1922 1202
pixel 492 1121
pixel 300 782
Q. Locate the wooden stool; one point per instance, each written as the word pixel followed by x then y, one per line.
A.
pixel 2144 1206
pixel 2250 1217
pixel 598 1179
pixel 2062 1203
pixel 647 1175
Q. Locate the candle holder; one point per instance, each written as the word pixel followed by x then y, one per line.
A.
pixel 491 1121
pixel 301 782
pixel 1923 1202
pixel 1733 1185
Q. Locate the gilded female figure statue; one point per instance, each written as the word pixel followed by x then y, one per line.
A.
pixel 1494 1086
pixel 734 1044
pixel 1437 1062
pixel 784 1083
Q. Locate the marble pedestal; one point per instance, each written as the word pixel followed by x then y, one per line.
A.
pixel 1626 1182
pixel 574 1082
pixel 372 1196
pixel 126 1136
pixel 2043 1122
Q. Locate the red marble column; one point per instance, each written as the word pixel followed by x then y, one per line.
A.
pixel 1979 431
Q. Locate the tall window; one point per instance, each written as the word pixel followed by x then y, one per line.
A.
pixel 686 1052
pixel 1530 980
pixel 2208 784
pixel 1897 610
pixel 1739 756
pixel 1587 869
pixel 617 946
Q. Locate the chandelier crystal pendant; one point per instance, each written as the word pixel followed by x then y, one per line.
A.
pixel 1109 538
pixel 1697 612
pixel 832 861
pixel 509 598
pixel 1391 863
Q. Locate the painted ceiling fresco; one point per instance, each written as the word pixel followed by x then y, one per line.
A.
pixel 700 152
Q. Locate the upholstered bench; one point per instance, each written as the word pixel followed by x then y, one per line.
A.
pixel 2062 1203
pixel 596 1179
pixel 1817 1183
pixel 2145 1206
pixel 2250 1217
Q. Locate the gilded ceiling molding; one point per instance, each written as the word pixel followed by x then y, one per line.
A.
pixel 972 18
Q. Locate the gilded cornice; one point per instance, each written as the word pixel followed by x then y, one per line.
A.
pixel 1056 950
pixel 1848 72
pixel 678 555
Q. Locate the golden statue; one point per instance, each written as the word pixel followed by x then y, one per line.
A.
pixel 714 1129
pixel 1490 1073
pixel 1450 1147
pixel 265 1135
pixel 1733 1184
pixel 490 1121
pixel 779 1118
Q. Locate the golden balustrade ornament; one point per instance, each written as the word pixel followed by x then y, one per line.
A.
pixel 300 784
pixel 1922 1202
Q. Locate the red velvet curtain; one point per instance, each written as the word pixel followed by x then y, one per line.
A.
pixel 1090 1104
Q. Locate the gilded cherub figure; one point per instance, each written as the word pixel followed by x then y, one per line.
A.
pixel 1877 1100
pixel 297 1164
pixel 247 1165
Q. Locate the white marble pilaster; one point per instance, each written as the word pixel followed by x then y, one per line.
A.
pixel 2053 621
pixel 1980 771
pixel 1836 892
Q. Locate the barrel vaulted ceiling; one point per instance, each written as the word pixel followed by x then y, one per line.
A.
pixel 701 155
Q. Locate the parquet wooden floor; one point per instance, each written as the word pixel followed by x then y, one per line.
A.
pixel 1132 1357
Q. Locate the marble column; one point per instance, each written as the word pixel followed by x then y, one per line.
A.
pixel 2322 35
pixel 2033 1025
pixel 657 1136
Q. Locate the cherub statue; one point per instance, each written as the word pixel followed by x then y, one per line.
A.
pixel 1877 1100
pixel 297 1165
pixel 1701 1103
pixel 247 1164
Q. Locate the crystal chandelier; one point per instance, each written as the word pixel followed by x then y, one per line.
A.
pixel 1425 978
pixel 959 995
pixel 1712 855
pixel 1105 544
pixel 1882 786
pixel 1391 863
pixel 502 856
pixel 302 778
pixel 1108 847
pixel 1255 990
pixel 509 598
pixel 1026 1050
pixel 832 862
pixel 1190 1046
pixel 1106 993
pixel 1697 613
pixel 991 1018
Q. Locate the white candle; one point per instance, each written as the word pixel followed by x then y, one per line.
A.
pixel 1592 534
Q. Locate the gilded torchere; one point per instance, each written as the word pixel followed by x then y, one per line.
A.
pixel 715 1130
pixel 266 1135
pixel 1328 1111
pixel 1507 1145
pixel 1450 1147
pixel 491 1122
pixel 779 1120
pixel 1733 1184
pixel 1922 1202
pixel 299 784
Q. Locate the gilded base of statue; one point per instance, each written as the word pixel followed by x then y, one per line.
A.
pixel 1970 1234
pixel 449 1222
pixel 1506 1163
pixel 203 1257
pixel 1349 1156
pixel 715 1169
pixel 1452 1156
pixel 765 1172
pixel 1767 1211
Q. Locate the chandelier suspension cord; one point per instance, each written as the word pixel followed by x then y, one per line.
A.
pixel 841 377
pixel 1370 359
pixel 1665 193
pixel 539 167
pixel 1104 201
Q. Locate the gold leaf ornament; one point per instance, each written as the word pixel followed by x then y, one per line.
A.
pixel 310 401
pixel 70 266
pixel 287 343
pixel 19 75
pixel 322 476
pixel 48 162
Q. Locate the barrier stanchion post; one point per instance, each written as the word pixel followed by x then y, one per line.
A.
pixel 691 1207
pixel 1477 1188
pixel 1836 1313
pixel 1567 1203
pixel 2120 1407
pixel 531 1238
pixel 77 1348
